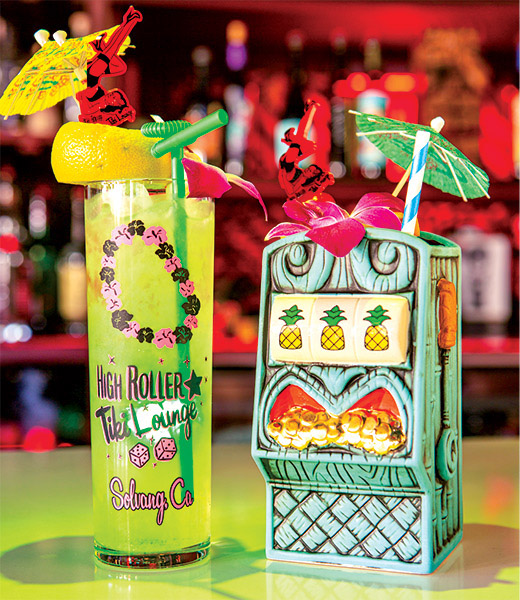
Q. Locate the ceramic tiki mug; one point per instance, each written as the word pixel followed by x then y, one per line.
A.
pixel 357 405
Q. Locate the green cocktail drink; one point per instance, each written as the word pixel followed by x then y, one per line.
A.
pixel 150 302
pixel 150 305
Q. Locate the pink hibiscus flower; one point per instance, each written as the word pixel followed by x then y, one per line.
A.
pixel 110 290
pixel 327 224
pixel 191 322
pixel 186 288
pixel 154 235
pixel 164 337
pixel 132 329
pixel 172 264
pixel 208 181
pixel 121 235
pixel 113 304
pixel 108 261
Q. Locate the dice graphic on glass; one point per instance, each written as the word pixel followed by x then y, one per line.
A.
pixel 139 455
pixel 165 449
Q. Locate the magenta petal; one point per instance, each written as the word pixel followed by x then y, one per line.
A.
pixel 205 181
pixel 298 211
pixel 378 216
pixel 324 208
pixel 379 199
pixel 323 222
pixel 339 238
pixel 284 229
pixel 248 187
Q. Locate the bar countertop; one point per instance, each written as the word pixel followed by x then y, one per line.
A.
pixel 46 538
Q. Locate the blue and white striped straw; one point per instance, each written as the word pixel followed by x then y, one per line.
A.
pixel 413 193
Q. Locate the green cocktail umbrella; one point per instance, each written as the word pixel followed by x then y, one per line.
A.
pixel 447 169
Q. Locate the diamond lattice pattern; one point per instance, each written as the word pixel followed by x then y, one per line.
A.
pixel 380 527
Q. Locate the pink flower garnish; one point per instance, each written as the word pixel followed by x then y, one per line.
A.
pixel 132 329
pixel 154 235
pixel 108 261
pixel 186 288
pixel 110 290
pixel 121 235
pixel 191 321
pixel 331 227
pixel 377 209
pixel 208 181
pixel 172 264
pixel 113 304
pixel 164 337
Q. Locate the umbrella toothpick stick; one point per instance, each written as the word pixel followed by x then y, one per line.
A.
pixel 402 181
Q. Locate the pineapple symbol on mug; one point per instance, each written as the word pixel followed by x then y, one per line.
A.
pixel 376 335
pixel 332 336
pixel 291 335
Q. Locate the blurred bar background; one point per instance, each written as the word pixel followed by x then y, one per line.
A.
pixel 260 60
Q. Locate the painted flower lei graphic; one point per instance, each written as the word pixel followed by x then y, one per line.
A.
pixel 111 288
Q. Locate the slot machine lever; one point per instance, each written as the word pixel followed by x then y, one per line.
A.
pixel 447 451
pixel 447 316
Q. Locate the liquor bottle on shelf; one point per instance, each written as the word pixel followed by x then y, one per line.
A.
pixel 372 61
pixel 338 106
pixel 15 265
pixel 210 146
pixel 43 317
pixel 486 281
pixel 515 122
pixel 371 161
pixel 8 67
pixel 238 105
pixel 295 100
pixel 72 274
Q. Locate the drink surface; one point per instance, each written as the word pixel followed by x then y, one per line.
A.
pixel 150 297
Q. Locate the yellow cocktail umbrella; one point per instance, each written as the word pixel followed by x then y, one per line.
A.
pixel 55 72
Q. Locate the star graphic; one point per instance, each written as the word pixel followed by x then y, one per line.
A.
pixel 186 362
pixel 152 440
pixel 111 360
pixel 145 407
pixel 161 361
pixel 193 385
pixel 154 465
pixel 108 455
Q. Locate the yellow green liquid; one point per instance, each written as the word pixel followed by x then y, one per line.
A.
pixel 130 379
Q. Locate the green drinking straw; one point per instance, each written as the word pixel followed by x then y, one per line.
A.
pixel 178 134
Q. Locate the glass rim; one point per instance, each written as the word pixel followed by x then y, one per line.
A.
pixel 127 180
pixel 160 183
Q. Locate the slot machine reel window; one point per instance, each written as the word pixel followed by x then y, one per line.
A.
pixel 365 329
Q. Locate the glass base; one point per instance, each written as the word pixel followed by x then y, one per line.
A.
pixel 160 560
